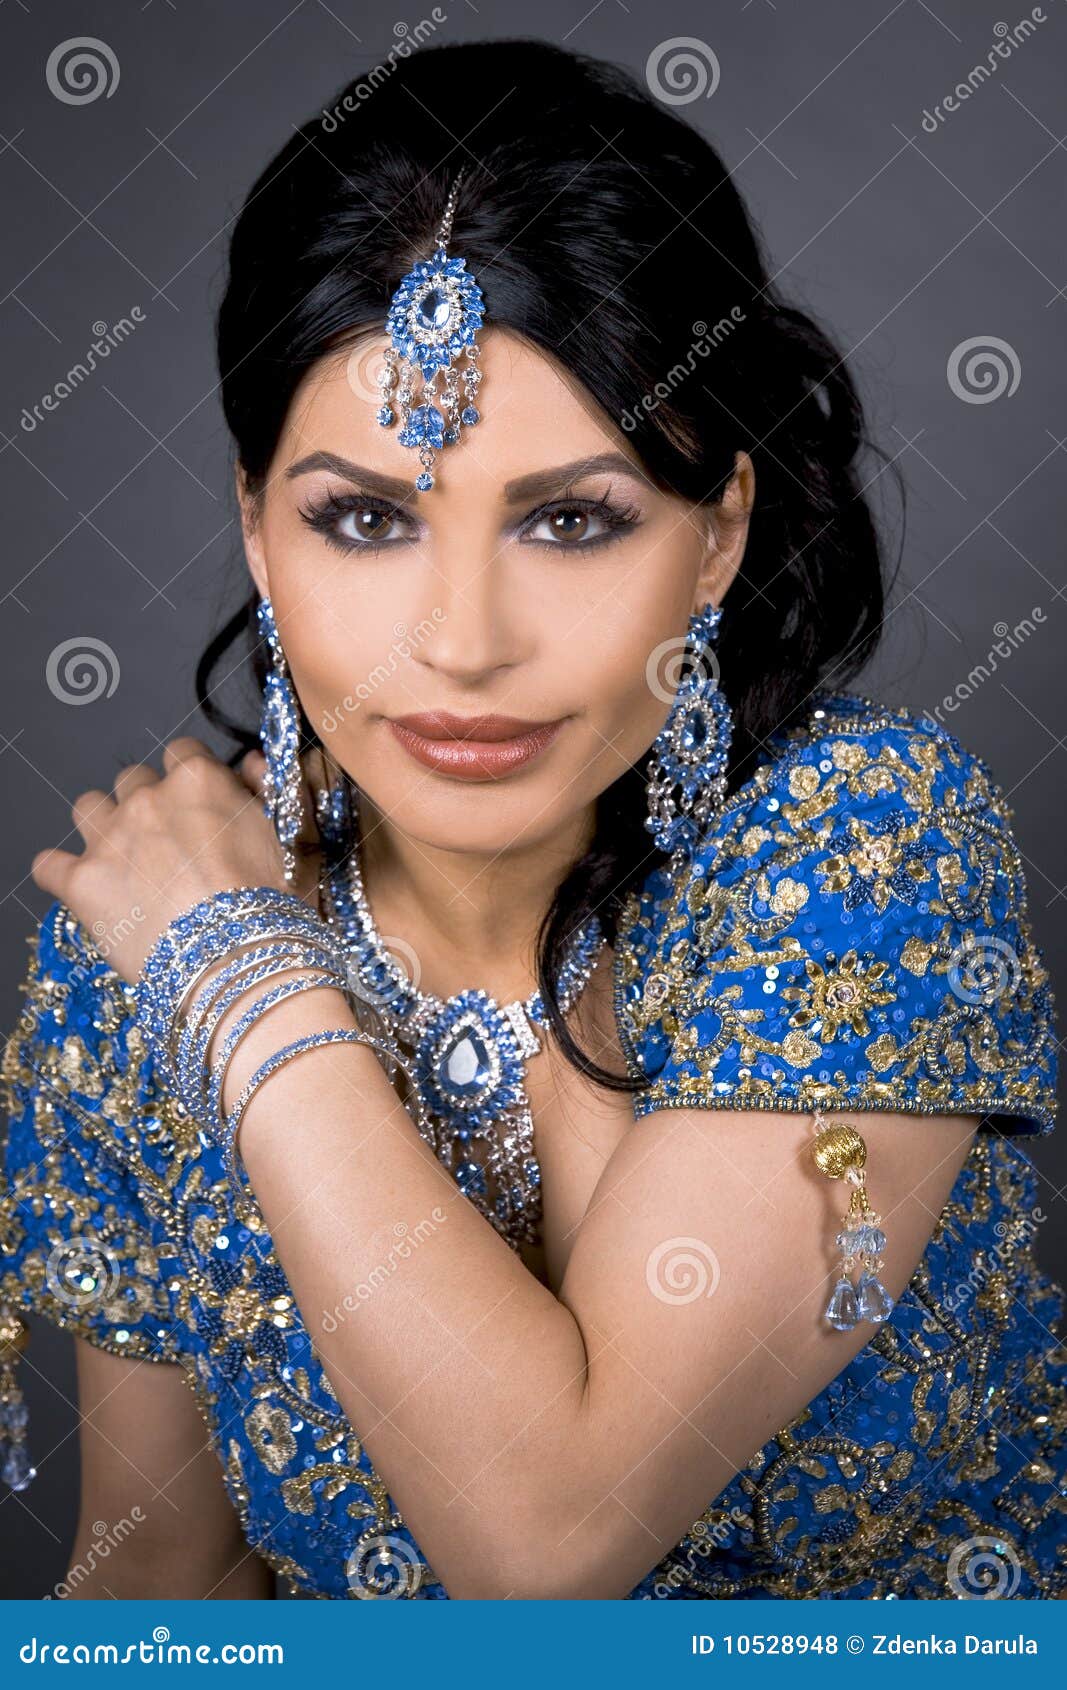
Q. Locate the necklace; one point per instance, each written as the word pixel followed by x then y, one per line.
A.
pixel 468 1053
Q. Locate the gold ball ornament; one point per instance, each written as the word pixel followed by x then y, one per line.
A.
pixel 837 1148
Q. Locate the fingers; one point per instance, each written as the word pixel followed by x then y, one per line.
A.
pixel 184 750
pixel 252 770
pixel 91 813
pixel 51 871
pixel 131 777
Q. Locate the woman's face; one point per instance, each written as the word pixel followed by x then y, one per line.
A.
pixel 523 584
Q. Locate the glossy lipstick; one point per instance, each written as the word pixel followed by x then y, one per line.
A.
pixel 472 747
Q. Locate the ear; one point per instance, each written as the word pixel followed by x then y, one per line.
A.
pixel 729 534
pixel 252 534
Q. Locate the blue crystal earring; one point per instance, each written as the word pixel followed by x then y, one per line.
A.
pixel 279 735
pixel 334 809
pixel 839 1152
pixel 433 318
pixel 687 769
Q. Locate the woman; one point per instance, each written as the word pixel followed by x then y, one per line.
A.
pixel 581 1161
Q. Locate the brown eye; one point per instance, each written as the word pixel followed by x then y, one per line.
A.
pixel 581 527
pixel 569 524
pixel 365 524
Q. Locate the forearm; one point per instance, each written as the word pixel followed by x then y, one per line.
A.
pixel 465 1377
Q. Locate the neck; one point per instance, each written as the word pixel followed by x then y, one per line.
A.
pixel 473 913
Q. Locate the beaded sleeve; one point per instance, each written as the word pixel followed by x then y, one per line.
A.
pixel 79 1242
pixel 852 934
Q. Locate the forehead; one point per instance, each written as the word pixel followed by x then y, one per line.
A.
pixel 533 414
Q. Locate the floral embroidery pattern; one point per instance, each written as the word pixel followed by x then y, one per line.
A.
pixel 852 934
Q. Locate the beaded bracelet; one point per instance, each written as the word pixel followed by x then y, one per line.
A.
pixel 197 940
pixel 227 1140
pixel 199 937
pixel 234 982
pixel 284 932
pixel 275 995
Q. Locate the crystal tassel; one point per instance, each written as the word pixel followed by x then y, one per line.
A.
pixel 15 1469
pixel 840 1153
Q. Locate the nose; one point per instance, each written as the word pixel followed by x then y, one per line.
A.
pixel 476 620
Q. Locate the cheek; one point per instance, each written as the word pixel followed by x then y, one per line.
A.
pixel 625 699
pixel 631 662
pixel 335 662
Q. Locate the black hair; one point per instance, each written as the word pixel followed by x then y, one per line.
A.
pixel 606 230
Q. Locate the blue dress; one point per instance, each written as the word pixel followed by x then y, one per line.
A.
pixel 851 933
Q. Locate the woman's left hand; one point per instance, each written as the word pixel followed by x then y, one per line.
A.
pixel 159 844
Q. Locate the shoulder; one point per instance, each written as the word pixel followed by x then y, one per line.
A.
pixel 855 797
pixel 858 916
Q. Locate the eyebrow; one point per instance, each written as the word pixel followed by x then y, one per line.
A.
pixel 540 484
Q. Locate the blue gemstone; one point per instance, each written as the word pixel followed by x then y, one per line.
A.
pixel 14 1416
pixel 470 1178
pixel 428 424
pixel 694 731
pixel 469 415
pixel 16 1470
pixel 451 435
pixel 386 415
pixel 873 1300
pixel 424 481
pixel 434 309
pixel 842 1311
pixel 464 1068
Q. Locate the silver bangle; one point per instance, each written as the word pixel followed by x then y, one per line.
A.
pixel 227 1138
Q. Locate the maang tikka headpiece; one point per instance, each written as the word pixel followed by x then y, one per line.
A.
pixel 433 317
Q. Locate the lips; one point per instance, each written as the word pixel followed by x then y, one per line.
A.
pixel 472 747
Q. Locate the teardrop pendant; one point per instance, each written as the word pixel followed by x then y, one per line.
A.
pixel 872 1299
pixel 842 1310
pixel 839 1152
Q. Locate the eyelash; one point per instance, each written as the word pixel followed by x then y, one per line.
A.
pixel 325 516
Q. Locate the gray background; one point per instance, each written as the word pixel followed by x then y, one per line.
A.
pixel 119 524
